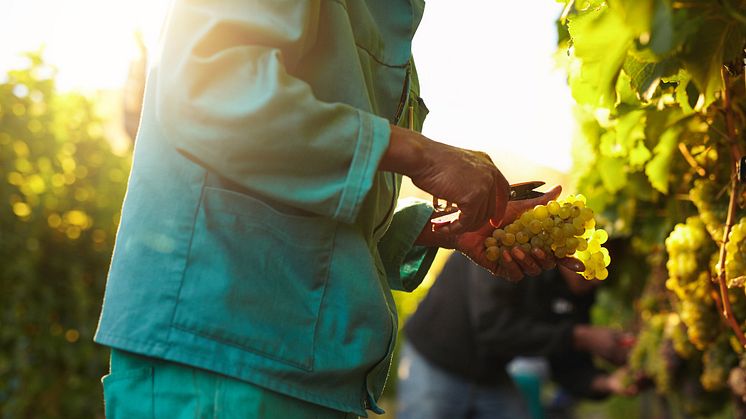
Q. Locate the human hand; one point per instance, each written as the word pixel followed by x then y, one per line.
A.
pixel 512 265
pixel 602 341
pixel 466 178
pixel 619 383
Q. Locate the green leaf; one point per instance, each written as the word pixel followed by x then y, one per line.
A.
pixel 627 96
pixel 613 173
pixel 658 170
pixel 645 77
pixel 704 54
pixel 636 14
pixel 639 155
pixel 600 40
pixel 628 130
pixel 663 37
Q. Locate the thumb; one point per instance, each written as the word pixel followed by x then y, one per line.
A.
pixel 516 208
pixel 540 200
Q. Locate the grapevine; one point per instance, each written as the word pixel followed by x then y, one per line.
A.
pixel 562 228
pixel 661 96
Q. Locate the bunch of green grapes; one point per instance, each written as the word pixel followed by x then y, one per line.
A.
pixel 687 247
pixel 649 357
pixel 562 228
pixel 717 362
pixel 735 261
pixel 698 311
pixel 700 317
pixel 680 339
pixel 689 252
pixel 712 207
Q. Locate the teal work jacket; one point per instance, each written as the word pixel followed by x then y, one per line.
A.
pixel 257 238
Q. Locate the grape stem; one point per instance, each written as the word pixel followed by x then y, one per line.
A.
pixel 736 154
pixel 690 159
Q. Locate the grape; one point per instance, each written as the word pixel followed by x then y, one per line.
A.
pixel 553 207
pixel 562 228
pixel 712 206
pixel 541 212
pixel 649 355
pixel 690 250
pixel 735 261
pixel 717 361
pixel 492 253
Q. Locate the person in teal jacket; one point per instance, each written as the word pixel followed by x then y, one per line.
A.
pixel 261 234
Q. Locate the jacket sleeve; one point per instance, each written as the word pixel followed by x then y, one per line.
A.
pixel 227 100
pixel 406 264
pixel 502 327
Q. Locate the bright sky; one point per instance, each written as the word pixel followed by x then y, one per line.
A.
pixel 485 66
pixel 90 41
pixel 488 77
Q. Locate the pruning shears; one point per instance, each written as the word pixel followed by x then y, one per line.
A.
pixel 447 212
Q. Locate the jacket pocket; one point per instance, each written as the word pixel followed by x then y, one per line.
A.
pixel 255 277
pixel 129 394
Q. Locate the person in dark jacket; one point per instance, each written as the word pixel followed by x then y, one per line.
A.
pixel 471 325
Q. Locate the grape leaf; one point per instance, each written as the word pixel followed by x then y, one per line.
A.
pixel 637 14
pixel 704 54
pixel 658 169
pixel 645 77
pixel 639 155
pixel 600 40
pixel 613 173
pixel 663 37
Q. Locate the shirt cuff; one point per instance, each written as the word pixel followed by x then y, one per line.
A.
pixel 373 140
pixel 407 264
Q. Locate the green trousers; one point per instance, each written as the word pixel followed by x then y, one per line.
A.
pixel 147 388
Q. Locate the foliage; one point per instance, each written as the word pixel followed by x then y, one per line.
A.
pixel 662 111
pixel 61 188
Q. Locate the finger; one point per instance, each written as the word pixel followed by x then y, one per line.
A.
pixel 482 213
pixel 526 262
pixel 509 268
pixel 451 228
pixel 526 204
pixel 572 264
pixel 469 219
pixel 546 261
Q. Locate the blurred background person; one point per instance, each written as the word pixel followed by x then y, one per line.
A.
pixel 471 325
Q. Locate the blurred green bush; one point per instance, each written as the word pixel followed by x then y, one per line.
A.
pixel 61 188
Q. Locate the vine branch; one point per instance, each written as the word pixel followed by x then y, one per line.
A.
pixel 736 154
pixel 690 159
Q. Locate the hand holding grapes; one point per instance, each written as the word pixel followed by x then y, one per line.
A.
pixel 514 264
pixel 517 262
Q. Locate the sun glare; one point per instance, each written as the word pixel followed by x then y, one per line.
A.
pixel 487 77
pixel 91 42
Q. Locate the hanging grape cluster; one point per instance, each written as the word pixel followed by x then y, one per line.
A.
pixel 689 247
pixel 562 228
pixel 717 361
pixel 704 194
